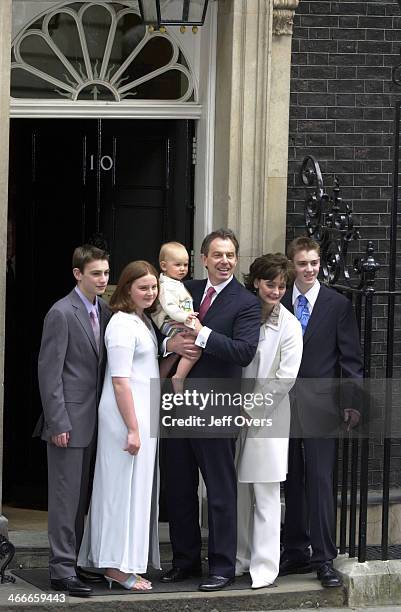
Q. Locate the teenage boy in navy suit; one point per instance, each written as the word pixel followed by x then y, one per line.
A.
pixel 331 346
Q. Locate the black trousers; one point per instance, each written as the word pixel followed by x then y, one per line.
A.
pixel 309 500
pixel 215 459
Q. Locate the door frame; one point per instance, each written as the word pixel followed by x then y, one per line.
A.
pixel 202 113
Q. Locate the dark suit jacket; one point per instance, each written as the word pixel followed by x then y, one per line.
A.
pixel 331 349
pixel 71 371
pixel 234 317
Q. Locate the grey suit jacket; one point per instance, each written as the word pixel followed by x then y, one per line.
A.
pixel 71 371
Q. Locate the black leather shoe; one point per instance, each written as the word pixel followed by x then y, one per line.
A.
pixel 215 583
pixel 178 574
pixel 288 566
pixel 89 576
pixel 328 576
pixel 71 585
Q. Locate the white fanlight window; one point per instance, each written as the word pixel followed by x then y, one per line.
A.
pixel 98 51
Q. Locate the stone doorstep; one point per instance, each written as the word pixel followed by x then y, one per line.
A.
pixel 291 592
pixel 370 583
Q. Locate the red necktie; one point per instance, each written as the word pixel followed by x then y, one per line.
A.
pixel 204 307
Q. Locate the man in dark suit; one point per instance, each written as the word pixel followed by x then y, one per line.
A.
pixel 331 348
pixel 71 370
pixel 228 335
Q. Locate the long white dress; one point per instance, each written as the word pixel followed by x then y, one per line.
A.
pixel 122 525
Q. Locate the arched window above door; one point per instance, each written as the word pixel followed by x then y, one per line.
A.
pixel 98 51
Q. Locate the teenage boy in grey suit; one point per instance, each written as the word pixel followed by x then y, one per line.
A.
pixel 71 369
pixel 330 347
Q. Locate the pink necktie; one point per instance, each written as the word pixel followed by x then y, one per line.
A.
pixel 204 307
pixel 95 327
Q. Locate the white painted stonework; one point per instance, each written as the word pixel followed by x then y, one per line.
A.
pixel 252 102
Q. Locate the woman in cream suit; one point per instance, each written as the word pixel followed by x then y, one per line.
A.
pixel 263 444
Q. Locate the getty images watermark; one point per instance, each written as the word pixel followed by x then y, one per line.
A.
pixel 221 408
pixel 210 400
pixel 275 408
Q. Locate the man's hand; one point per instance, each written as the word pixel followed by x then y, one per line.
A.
pixel 184 345
pixel 351 418
pixel 61 440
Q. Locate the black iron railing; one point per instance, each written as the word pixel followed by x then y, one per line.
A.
pixel 329 220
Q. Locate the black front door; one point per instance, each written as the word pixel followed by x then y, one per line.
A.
pixel 128 181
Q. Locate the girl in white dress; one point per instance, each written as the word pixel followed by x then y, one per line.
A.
pixel 121 532
pixel 262 460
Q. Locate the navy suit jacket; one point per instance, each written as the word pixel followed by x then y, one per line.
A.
pixel 234 318
pixel 331 349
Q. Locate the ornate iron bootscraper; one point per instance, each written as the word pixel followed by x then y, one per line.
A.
pixel 7 551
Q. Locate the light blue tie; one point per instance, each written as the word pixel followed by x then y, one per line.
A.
pixel 302 312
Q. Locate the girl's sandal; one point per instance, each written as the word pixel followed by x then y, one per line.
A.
pixel 134 582
pixel 142 579
pixel 142 585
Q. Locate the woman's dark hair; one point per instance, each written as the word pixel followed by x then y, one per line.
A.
pixel 267 267
pixel 120 300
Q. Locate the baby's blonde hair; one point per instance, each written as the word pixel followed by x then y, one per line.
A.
pixel 167 247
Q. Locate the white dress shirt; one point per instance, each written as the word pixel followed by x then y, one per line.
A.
pixel 203 336
pixel 311 296
pixel 88 305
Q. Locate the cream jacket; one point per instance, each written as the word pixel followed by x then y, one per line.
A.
pixel 175 302
pixel 262 455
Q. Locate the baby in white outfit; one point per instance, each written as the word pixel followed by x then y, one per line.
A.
pixel 175 303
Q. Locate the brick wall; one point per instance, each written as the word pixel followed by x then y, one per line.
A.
pixel 342 112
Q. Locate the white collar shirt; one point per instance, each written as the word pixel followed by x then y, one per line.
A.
pixel 202 337
pixel 218 288
pixel 88 305
pixel 311 295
